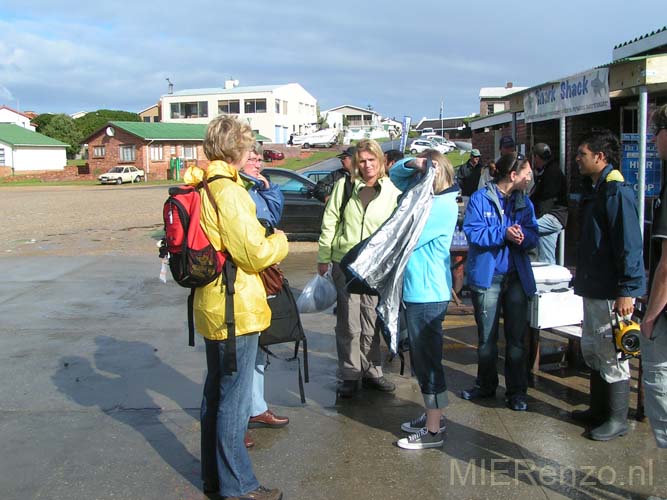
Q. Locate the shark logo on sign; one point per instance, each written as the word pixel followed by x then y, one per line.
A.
pixel 598 85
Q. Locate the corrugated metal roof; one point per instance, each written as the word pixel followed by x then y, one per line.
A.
pixel 19 136
pixel 163 131
pixel 221 90
pixel 646 35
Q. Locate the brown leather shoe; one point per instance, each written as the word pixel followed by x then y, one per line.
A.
pixel 260 493
pixel 267 419
pixel 247 440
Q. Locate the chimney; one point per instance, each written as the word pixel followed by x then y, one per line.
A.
pixel 508 85
pixel 230 84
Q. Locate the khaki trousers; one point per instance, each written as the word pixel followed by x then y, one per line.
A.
pixel 357 337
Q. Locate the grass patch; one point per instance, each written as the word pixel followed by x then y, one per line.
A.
pixel 299 163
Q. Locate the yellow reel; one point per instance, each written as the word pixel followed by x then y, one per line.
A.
pixel 626 337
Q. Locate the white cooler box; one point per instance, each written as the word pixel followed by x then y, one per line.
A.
pixel 550 277
pixel 550 309
pixel 555 303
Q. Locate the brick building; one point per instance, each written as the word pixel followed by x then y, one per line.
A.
pixel 148 146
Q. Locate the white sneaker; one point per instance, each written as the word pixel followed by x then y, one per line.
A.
pixel 421 440
pixel 419 423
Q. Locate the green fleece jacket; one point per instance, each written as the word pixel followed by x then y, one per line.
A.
pixel 340 234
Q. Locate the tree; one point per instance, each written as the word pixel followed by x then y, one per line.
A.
pixel 321 121
pixel 63 128
pixel 95 120
pixel 42 121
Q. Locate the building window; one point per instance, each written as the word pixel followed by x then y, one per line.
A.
pixel 2 156
pixel 255 105
pixel 277 106
pixel 284 107
pixel 128 153
pixel 147 119
pixel 156 153
pixel 489 108
pixel 99 151
pixel 172 150
pixel 229 107
pixel 156 119
pixel 190 151
pixel 189 109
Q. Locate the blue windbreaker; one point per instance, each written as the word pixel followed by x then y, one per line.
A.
pixel 428 276
pixel 485 224
pixel 269 202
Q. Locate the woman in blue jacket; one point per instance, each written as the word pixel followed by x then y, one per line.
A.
pixel 427 284
pixel 500 226
pixel 269 201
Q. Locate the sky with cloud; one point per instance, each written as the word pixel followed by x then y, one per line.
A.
pixel 402 58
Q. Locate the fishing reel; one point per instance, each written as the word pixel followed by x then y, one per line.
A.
pixel 626 337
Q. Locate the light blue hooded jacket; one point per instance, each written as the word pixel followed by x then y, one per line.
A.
pixel 428 277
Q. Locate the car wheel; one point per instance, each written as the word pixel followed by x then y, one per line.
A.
pixel 119 181
pixel 306 145
pixel 413 151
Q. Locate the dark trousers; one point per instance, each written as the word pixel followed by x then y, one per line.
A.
pixel 505 291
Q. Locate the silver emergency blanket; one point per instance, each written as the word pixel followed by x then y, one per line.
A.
pixel 381 263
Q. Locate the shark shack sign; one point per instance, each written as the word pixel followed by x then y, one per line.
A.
pixel 575 95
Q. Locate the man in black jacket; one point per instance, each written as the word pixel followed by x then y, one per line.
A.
pixel 610 275
pixel 323 188
pixel 467 175
pixel 550 200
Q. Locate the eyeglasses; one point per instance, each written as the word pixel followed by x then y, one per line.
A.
pixel 254 160
pixel 518 162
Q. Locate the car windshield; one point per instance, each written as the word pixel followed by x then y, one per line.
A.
pixel 116 170
pixel 288 184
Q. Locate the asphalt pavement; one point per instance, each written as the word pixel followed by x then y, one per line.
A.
pixel 101 398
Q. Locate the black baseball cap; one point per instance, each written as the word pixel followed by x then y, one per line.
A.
pixel 348 152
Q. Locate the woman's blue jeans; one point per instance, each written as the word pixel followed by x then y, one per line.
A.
pixel 424 322
pixel 506 292
pixel 225 410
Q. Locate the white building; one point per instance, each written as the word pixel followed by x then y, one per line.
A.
pixel 24 150
pixel 8 115
pixel 274 111
pixel 357 118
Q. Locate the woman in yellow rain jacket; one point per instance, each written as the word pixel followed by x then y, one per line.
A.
pixel 225 409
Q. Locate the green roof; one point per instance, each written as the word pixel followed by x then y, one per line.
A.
pixel 19 136
pixel 164 131
pixel 169 131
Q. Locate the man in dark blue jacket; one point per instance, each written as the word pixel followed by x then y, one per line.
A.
pixel 610 274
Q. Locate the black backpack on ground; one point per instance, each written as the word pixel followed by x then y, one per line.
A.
pixel 286 327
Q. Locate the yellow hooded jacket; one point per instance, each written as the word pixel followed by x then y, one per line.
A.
pixel 244 239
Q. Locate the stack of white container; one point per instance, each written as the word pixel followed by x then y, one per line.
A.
pixel 555 303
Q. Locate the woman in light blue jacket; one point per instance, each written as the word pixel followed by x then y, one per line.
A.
pixel 427 287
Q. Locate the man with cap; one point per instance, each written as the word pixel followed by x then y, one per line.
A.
pixel 467 175
pixel 550 200
pixel 323 188
pixel 507 145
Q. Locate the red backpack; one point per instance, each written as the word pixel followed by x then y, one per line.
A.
pixel 193 261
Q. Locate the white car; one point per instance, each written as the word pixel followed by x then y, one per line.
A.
pixel 419 145
pixel 120 174
pixel 439 140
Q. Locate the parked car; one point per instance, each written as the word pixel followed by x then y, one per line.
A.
pixel 273 154
pixel 437 139
pixel 302 214
pixel 120 174
pixel 419 145
pixel 317 175
pixel 322 138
